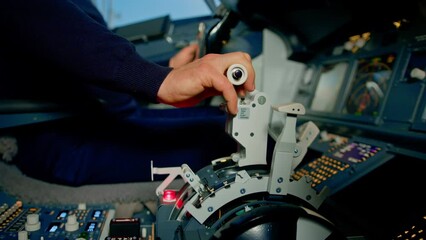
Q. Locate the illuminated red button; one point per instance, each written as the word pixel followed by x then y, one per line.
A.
pixel 169 196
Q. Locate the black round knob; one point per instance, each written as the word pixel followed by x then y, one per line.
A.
pixel 237 73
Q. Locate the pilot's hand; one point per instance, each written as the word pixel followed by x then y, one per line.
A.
pixel 189 84
pixel 184 56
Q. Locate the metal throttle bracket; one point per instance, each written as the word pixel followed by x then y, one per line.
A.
pixel 288 153
pixel 250 128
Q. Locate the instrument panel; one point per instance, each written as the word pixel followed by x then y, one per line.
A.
pixel 370 85
pixel 344 163
pixel 22 221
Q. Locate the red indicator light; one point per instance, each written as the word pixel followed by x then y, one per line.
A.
pixel 169 196
pixel 179 203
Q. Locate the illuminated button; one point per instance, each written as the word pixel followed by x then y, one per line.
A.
pixel 169 196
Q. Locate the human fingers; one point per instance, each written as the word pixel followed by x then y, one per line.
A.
pixel 203 78
pixel 214 67
pixel 222 84
pixel 184 56
pixel 229 91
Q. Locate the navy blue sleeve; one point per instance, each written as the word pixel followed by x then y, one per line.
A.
pixel 73 35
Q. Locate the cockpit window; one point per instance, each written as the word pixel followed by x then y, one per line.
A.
pixel 124 12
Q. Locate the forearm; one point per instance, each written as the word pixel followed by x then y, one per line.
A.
pixel 64 34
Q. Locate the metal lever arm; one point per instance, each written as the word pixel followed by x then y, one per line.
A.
pixel 184 171
pixel 250 129
pixel 220 33
pixel 288 153
pixel 309 131
pixel 285 147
